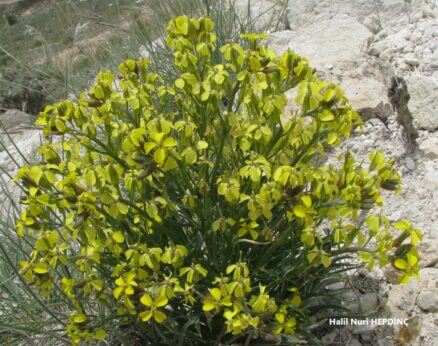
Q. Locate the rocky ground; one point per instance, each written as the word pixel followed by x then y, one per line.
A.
pixel 384 54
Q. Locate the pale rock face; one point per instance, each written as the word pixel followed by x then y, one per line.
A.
pixel 355 342
pixel 364 92
pixel 14 117
pixel 429 330
pixel 373 24
pixel 423 103
pixel 335 47
pixel 431 174
pixel 410 164
pixel 429 253
pixel 429 147
pixel 27 142
pixel 428 300
pixel 328 41
pixel 407 39
pixel 434 59
pixel 412 298
pixel 263 12
pixel 329 338
pixel 376 49
pixel 301 13
pixel 25 139
pixel 411 60
pixel 369 302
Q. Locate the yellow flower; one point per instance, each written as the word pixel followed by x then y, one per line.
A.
pixel 215 300
pixel 153 306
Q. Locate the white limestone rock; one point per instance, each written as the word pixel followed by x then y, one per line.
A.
pixel 428 300
pixel 14 117
pixel 423 103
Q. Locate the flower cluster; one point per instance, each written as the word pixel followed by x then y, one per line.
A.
pixel 199 204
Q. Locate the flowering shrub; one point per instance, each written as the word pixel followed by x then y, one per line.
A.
pixel 200 211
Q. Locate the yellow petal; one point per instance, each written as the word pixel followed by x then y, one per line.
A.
pixel 118 237
pixel 100 334
pixel 179 83
pixel 35 173
pixel 40 268
pixel 161 301
pixel 146 300
pixel 216 293
pixel 117 292
pixel 159 155
pixel 79 318
pixel 202 145
pixel 146 315
pixel 307 201
pixel 169 142
pixel 400 263
pixel 300 211
pixel 412 260
pixel 326 261
pixel 208 305
pixel 159 316
pixel 129 291
pixel 279 317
